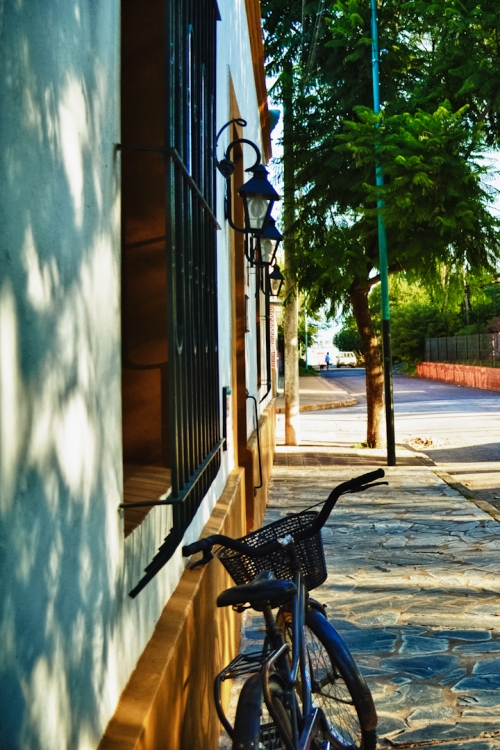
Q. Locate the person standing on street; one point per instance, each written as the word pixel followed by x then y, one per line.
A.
pixel 327 360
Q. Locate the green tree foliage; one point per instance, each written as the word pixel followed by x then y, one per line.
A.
pixel 439 64
pixel 480 309
pixel 462 61
pixel 347 339
pixel 418 313
pixel 436 205
pixel 411 325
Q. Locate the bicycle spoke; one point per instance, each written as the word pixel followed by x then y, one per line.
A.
pixel 333 696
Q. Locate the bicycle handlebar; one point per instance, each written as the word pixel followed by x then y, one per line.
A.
pixel 350 486
pixel 205 545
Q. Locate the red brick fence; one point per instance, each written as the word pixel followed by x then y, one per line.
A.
pixel 476 377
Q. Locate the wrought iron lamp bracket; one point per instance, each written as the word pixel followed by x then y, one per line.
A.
pixel 226 167
pixel 261 226
pixel 227 160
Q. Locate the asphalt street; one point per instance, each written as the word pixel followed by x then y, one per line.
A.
pixel 457 427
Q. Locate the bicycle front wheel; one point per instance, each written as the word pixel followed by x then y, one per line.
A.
pixel 337 686
pixel 254 728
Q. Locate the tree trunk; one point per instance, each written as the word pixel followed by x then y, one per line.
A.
pixel 292 396
pixel 373 365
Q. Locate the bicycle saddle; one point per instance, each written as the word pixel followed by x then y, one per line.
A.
pixel 264 589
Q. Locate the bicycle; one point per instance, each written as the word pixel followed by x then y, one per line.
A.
pixel 304 690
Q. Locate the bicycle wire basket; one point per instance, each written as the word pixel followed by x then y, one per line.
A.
pixel 243 568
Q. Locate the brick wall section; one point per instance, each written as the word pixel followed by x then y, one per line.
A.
pixel 487 378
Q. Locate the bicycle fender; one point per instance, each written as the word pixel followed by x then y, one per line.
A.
pixel 245 728
pixel 339 652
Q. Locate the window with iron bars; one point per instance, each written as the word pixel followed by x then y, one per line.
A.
pixel 170 384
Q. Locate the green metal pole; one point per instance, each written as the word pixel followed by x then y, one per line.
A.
pixel 384 274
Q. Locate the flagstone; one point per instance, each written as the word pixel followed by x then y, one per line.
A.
pixel 438 732
pixel 387 725
pixel 478 648
pixel 410 696
pixel 484 698
pixel 429 714
pixel 423 645
pixel 478 682
pixel 489 667
pixel 422 666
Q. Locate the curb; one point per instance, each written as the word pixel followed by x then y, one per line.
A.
pixel 319 407
pixel 483 505
pixel 463 490
pixel 426 461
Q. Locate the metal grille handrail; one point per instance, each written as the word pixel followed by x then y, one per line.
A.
pixel 480 349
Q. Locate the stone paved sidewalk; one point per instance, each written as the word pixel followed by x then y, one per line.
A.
pixel 413 587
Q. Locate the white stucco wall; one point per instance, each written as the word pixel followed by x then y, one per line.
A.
pixel 60 431
pixel 70 634
pixel 235 62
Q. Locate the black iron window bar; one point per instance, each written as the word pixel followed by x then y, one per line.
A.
pixel 174 155
pixel 179 498
pixel 193 376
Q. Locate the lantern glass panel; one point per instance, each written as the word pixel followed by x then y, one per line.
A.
pixel 257 208
pixel 276 280
pixel 275 286
pixel 266 250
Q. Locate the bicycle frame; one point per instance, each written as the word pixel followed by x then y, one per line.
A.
pixel 310 719
pixel 276 659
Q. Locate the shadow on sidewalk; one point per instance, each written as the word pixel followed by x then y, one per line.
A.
pixel 338 453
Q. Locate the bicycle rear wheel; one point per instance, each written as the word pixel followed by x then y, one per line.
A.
pixel 337 687
pixel 254 728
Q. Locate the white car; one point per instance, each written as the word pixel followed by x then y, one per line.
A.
pixel 348 359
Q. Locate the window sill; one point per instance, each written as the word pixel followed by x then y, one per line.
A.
pixel 143 484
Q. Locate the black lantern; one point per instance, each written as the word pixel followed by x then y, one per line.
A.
pixel 257 194
pixel 258 197
pixel 266 245
pixel 276 280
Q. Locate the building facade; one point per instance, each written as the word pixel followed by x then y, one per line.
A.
pixel 136 399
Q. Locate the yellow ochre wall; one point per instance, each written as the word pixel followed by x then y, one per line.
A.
pixel 168 702
pixel 256 503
